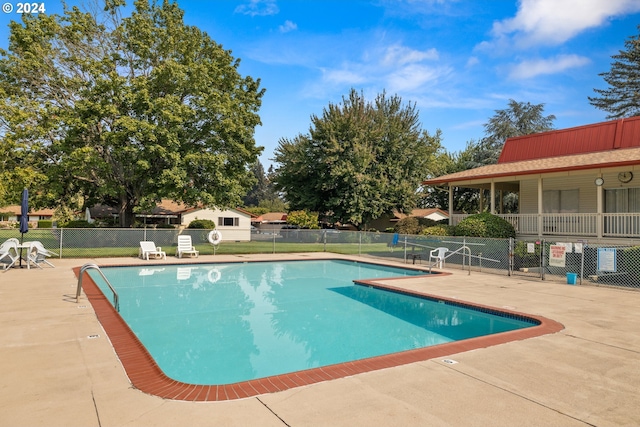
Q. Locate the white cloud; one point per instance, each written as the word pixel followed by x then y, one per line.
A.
pixel 287 26
pixel 473 60
pixel 258 8
pixel 413 77
pixel 343 77
pixel 532 68
pixel 397 68
pixel 555 21
pixel 400 55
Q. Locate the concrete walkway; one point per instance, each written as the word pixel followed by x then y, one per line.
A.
pixel 57 367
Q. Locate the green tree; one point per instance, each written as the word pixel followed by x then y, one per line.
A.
pixel 303 219
pixel 622 98
pixel 128 111
pixel 465 199
pixel 520 118
pixel 360 160
pixel 260 189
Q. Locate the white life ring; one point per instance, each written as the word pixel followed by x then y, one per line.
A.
pixel 214 237
pixel 214 275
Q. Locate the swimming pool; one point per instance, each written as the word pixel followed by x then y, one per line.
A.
pixel 281 318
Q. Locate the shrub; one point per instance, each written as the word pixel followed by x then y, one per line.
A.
pixel 205 224
pixel 45 223
pixel 485 225
pixel 438 230
pixel 413 225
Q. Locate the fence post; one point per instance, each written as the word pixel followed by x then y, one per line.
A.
pixel 511 256
pixel 274 241
pixel 61 229
pixel 405 249
pixel 324 238
pixel 584 245
pixel 542 258
pixel 360 243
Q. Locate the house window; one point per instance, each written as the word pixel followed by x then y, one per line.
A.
pixel 561 201
pixel 622 200
pixel 229 221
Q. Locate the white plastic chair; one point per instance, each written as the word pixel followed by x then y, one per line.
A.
pixel 185 247
pixel 148 249
pixel 37 254
pixel 6 256
pixel 438 254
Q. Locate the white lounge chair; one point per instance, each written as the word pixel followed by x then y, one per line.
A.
pixel 148 249
pixel 185 247
pixel 37 254
pixel 438 254
pixel 9 253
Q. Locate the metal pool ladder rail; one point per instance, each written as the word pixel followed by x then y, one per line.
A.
pixel 90 266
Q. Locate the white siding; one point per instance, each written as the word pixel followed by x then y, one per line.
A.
pixel 240 233
pixel 528 200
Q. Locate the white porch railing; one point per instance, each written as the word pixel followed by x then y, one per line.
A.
pixel 574 224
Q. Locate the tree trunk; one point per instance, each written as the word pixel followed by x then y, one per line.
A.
pixel 125 214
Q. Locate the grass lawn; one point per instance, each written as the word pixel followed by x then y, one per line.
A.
pixel 231 248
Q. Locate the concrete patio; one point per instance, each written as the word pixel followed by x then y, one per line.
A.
pixel 56 372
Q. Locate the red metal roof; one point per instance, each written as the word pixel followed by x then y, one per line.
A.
pixel 623 133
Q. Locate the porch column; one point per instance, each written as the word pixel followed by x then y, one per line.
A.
pixel 599 210
pixel 481 208
pixel 540 210
pixel 450 205
pixel 492 202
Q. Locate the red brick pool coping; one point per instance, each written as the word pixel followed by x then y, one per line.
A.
pixel 146 376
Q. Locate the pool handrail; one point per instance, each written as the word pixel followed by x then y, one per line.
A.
pixel 89 266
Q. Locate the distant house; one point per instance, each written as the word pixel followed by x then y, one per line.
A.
pixel 270 221
pixel 389 221
pixel 12 213
pixel 234 223
pixel 582 181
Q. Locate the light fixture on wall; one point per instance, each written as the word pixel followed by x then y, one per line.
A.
pixel 599 181
pixel 625 177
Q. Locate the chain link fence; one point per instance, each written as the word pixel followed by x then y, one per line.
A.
pixel 575 261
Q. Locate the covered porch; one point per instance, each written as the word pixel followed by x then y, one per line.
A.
pixel 589 203
pixel 582 182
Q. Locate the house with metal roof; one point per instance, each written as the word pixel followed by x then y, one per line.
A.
pixel 582 181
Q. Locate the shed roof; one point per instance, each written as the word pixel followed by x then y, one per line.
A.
pixel 612 135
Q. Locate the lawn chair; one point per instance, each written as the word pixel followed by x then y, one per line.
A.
pixel 37 254
pixel 6 256
pixel 185 247
pixel 148 249
pixel 438 254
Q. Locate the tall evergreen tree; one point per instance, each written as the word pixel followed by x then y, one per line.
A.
pixel 622 98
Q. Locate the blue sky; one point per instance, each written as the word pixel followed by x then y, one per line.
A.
pixel 458 60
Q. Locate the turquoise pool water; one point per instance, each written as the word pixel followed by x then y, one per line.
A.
pixel 233 322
